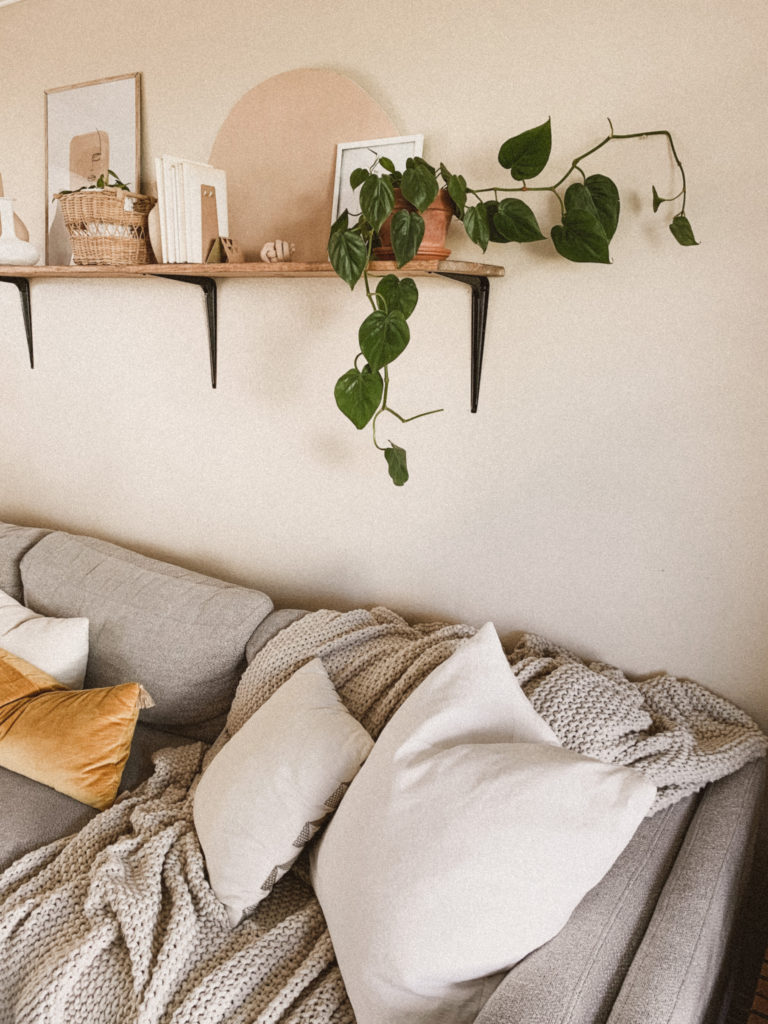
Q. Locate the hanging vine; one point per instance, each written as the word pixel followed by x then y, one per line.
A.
pixel 589 211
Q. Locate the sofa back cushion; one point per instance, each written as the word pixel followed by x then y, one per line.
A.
pixel 180 634
pixel 15 541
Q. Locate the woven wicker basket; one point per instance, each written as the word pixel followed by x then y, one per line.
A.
pixel 108 226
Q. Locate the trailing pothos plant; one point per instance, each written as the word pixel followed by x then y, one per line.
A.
pixel 101 182
pixel 589 209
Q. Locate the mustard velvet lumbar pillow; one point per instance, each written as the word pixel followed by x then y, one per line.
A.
pixel 76 741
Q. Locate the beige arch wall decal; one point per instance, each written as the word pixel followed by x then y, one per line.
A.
pixel 278 147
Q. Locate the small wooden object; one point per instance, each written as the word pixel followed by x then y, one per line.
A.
pixel 225 250
pixel 209 220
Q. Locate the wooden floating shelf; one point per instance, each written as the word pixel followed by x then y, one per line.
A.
pixel 205 275
pixel 222 271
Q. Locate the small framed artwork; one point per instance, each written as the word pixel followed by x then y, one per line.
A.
pixel 350 155
pixel 90 128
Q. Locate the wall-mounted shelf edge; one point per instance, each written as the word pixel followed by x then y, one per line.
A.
pixel 205 276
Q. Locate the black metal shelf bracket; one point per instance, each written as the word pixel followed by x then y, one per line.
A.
pixel 22 283
pixel 479 284
pixel 481 289
pixel 208 284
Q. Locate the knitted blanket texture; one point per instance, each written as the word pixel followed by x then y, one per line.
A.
pixel 118 923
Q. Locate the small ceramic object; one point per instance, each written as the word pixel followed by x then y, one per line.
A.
pixel 14 251
pixel 277 252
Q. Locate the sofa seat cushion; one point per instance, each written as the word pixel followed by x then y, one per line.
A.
pixel 147 740
pixel 180 634
pixel 34 815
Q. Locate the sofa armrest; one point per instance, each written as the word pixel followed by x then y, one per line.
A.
pixel 681 971
pixel 651 942
pixel 575 977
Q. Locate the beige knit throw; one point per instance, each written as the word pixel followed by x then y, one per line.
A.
pixel 118 923
pixel 676 732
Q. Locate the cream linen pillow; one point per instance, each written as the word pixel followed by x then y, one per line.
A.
pixel 268 791
pixel 464 843
pixel 57 646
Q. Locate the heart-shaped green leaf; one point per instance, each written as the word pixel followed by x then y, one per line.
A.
pixel 657 200
pixel 358 176
pixel 476 225
pixel 514 220
pixel 605 197
pixel 578 197
pixel 419 161
pixel 406 233
pixel 397 464
pixel 383 336
pixel 348 255
pixel 419 186
pixel 491 209
pixel 387 164
pixel 581 237
pixel 457 190
pixel 682 230
pixel 526 155
pixel 396 293
pixel 341 223
pixel 358 395
pixel 377 200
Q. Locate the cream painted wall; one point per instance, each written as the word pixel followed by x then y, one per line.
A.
pixel 610 492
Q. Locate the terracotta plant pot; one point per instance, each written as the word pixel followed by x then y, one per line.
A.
pixel 437 217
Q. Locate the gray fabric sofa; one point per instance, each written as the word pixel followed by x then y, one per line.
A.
pixel 655 942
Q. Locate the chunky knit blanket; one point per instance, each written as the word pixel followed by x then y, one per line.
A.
pixel 118 923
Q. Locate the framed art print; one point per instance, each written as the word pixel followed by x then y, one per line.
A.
pixel 90 128
pixel 350 155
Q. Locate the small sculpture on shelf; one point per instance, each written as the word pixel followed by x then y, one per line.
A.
pixel 277 252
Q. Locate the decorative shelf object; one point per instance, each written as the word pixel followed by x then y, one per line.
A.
pixel 205 276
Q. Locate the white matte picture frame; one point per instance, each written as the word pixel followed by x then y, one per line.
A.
pixel 350 155
pixel 108 107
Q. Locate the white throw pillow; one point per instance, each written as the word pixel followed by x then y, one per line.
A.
pixel 464 843
pixel 267 792
pixel 57 646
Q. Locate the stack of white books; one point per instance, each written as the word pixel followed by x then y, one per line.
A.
pixel 192 207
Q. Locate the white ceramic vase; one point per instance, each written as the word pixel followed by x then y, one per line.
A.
pixel 14 250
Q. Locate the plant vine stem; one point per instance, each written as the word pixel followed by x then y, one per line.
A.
pixel 575 166
pixel 385 408
pixel 670 140
pixel 369 253
pixel 522 188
